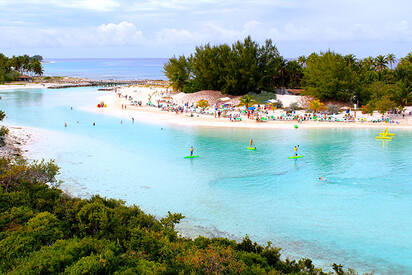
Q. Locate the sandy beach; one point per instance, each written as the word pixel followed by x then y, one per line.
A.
pixel 148 114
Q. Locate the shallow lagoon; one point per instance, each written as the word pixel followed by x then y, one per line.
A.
pixel 359 218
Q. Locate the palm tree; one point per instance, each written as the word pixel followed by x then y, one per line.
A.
pixel 380 62
pixel 36 67
pixel 315 105
pixel 350 59
pixel 302 60
pixel 369 63
pixel 403 94
pixel 247 101
pixel 391 59
pixel 203 103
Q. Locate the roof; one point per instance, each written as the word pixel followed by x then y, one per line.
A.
pixel 224 99
pixel 24 76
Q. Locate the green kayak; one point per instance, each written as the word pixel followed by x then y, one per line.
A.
pixel 295 157
pixel 251 148
pixel 191 157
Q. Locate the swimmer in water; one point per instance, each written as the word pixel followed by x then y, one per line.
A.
pixel 94 123
pixel 65 124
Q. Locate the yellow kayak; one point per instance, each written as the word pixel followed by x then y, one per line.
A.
pixel 383 137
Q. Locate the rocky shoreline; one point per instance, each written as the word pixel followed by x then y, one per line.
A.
pixel 14 142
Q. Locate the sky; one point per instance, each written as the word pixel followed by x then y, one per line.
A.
pixel 156 28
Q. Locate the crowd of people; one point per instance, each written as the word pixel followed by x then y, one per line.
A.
pixel 257 112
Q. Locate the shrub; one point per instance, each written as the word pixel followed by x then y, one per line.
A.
pixel 294 106
pixel 333 109
pixel 316 106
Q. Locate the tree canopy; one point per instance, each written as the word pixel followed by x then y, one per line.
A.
pixel 331 76
pixel 243 67
pixel 11 68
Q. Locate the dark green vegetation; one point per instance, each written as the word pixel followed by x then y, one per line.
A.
pixel 238 69
pixel 43 231
pixel 12 68
pixel 246 67
pixel 369 81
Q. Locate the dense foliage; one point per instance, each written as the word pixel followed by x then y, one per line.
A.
pixel 331 76
pixel 237 69
pixel 247 68
pixel 11 68
pixel 44 231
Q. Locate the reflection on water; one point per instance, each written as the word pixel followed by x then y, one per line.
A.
pixel 359 217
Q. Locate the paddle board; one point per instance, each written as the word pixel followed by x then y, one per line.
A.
pixel 295 157
pixel 191 157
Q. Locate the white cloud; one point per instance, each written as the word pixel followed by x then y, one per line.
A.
pixel 123 33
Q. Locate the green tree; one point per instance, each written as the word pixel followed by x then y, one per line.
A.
pixel 247 101
pixel 384 104
pixel 391 59
pixel 328 77
pixel 402 95
pixel 302 60
pixel 316 106
pixel 177 71
pixel 380 62
pixel 203 103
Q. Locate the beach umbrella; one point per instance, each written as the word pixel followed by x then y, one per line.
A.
pixel 252 108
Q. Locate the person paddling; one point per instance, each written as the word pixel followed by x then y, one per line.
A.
pixel 296 148
pixel 191 151
pixel 251 142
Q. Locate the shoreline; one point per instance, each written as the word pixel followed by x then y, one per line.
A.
pixel 16 142
pixel 153 115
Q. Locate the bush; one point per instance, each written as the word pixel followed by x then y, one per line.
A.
pixel 333 109
pixel 203 103
pixel 316 106
pixel 294 106
pixel 384 104
pixel 4 131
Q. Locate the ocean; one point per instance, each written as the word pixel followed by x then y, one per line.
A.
pixel 107 68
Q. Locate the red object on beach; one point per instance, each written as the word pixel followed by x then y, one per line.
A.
pixel 98 105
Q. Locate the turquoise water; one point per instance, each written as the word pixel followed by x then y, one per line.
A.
pixel 107 68
pixel 359 218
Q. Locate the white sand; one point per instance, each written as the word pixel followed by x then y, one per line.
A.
pixel 25 86
pixel 154 115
